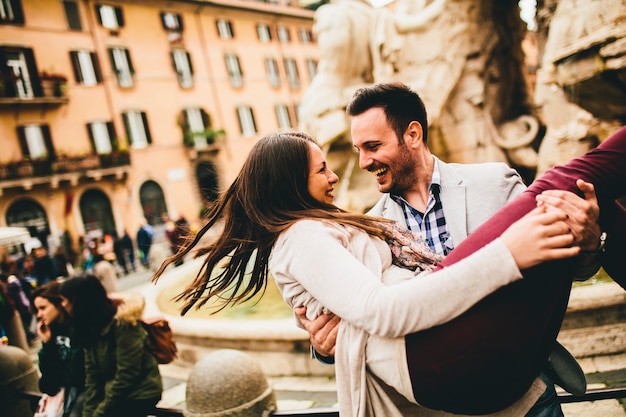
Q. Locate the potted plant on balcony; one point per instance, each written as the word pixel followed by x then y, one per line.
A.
pixel 211 135
pixel 53 85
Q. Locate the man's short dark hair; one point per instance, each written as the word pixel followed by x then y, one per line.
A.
pixel 400 104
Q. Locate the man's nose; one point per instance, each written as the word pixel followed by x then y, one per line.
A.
pixel 364 160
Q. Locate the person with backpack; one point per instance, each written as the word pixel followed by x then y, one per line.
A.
pixel 122 376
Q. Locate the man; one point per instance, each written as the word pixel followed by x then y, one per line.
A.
pixel 444 202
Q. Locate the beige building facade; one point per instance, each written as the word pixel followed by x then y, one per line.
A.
pixel 112 111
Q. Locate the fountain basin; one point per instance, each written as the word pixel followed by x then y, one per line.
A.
pixel 281 348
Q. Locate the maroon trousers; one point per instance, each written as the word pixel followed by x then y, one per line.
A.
pixel 486 359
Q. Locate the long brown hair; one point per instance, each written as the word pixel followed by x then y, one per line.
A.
pixel 269 195
pixel 51 291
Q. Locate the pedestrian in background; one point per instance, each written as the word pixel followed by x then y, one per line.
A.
pixel 145 235
pixel 122 377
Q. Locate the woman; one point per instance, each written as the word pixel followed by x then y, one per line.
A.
pixel 61 359
pixel 122 377
pixel 278 216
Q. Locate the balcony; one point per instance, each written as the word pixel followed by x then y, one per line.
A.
pixel 51 90
pixel 27 173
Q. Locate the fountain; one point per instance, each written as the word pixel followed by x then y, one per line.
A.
pixel 263 327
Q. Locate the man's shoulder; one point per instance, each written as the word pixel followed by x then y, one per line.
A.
pixel 480 173
pixel 478 167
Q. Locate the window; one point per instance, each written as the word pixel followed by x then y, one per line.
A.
pixel 196 122
pixel 225 29
pixel 72 15
pixel 35 141
pixel 11 12
pixel 283 34
pixel 110 17
pixel 311 67
pixel 19 69
pixel 172 22
pixel 264 32
pixel 182 65
pixel 292 73
pixel 246 120
pixel 122 66
pixel 305 35
pixel 283 117
pixel 137 131
pixel 86 67
pixel 102 137
pixel 271 66
pixel 234 70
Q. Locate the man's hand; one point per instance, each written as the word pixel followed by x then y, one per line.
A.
pixel 323 331
pixel 582 213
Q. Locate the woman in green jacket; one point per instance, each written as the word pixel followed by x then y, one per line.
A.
pixel 122 376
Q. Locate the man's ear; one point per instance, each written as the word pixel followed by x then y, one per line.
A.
pixel 413 134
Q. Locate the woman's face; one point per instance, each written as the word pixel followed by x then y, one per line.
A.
pixel 47 312
pixel 321 178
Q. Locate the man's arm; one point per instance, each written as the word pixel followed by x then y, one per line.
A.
pixel 323 331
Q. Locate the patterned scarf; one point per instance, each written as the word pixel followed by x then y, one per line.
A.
pixel 408 249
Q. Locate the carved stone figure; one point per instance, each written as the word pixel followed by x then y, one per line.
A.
pixel 342 29
pixel 465 59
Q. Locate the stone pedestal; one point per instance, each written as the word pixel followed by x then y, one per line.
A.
pixel 228 383
pixel 17 373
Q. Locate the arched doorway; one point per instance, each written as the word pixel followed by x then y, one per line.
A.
pixel 152 202
pixel 95 209
pixel 31 215
pixel 206 175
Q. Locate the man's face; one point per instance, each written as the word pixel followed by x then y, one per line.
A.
pixel 393 164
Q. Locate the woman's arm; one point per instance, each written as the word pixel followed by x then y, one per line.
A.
pixel 316 257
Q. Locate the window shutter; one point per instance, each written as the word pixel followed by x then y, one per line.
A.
pixel 21 134
pixel 130 63
pixel 189 62
pixel 91 139
pixel 96 66
pixel 45 130
pixel 146 127
pixel 113 63
pixel 78 74
pixel 113 136
pixel 72 15
pixel 162 15
pixel 127 128
pixel 120 16
pixel 33 73
pixel 18 14
pixel 206 120
pixel 173 58
pixel 98 7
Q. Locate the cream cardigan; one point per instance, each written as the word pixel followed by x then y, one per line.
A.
pixel 327 267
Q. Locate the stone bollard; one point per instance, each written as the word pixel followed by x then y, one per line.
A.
pixel 17 373
pixel 228 383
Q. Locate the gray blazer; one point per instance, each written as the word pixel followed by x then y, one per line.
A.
pixel 470 194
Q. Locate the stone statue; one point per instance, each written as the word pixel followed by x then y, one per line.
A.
pixel 465 59
pixel 342 29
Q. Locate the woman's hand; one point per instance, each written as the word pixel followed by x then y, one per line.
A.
pixel 43 331
pixel 540 235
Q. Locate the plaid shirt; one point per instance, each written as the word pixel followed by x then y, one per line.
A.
pixel 432 224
